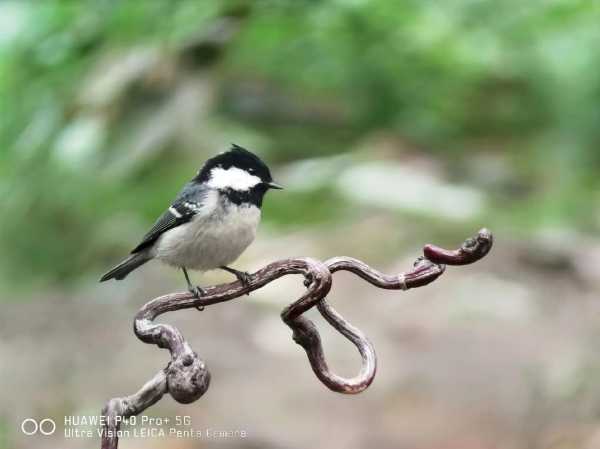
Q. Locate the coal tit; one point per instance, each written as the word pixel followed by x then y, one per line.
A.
pixel 212 220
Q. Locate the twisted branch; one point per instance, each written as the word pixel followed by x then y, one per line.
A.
pixel 186 377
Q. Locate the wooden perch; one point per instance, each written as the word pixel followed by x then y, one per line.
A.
pixel 186 377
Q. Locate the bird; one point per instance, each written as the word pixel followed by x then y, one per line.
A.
pixel 211 222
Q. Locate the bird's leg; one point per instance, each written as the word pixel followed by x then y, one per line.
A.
pixel 243 276
pixel 196 291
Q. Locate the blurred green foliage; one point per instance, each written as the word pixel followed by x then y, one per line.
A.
pixel 456 79
pixel 4 439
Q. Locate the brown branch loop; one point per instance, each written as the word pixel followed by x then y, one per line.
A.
pixel 186 377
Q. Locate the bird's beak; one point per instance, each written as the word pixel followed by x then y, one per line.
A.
pixel 274 185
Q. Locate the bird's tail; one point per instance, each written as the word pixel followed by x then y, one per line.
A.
pixel 127 266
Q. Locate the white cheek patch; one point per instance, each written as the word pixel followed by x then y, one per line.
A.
pixel 232 178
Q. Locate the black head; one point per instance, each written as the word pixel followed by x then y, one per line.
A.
pixel 240 174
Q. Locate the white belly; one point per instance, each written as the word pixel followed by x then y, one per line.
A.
pixel 211 240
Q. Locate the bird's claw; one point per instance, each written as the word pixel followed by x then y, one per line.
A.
pixel 244 277
pixel 198 293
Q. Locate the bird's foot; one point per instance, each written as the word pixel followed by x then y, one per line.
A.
pixel 198 292
pixel 244 277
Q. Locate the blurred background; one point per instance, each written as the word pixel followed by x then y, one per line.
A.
pixel 392 124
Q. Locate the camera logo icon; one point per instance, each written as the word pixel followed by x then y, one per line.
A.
pixel 30 426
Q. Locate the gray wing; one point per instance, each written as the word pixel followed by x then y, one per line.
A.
pixel 188 203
